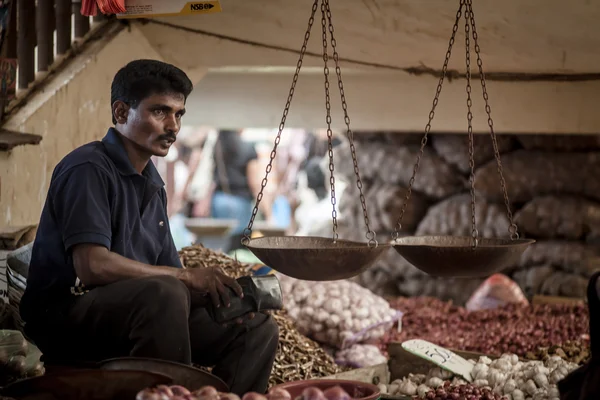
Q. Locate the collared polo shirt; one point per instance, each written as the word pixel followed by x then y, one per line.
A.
pixel 96 197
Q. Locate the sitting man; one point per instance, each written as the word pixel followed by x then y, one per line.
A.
pixel 105 278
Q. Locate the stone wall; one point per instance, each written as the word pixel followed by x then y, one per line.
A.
pixel 553 185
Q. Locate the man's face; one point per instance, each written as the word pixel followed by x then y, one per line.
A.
pixel 153 125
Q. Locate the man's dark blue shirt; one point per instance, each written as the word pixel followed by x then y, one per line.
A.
pixel 96 197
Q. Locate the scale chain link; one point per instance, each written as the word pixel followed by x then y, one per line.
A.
pixel 328 120
pixel 474 232
pixel 248 230
pixel 512 228
pixel 370 234
pixel 398 226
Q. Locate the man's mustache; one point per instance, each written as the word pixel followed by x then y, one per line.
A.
pixel 168 136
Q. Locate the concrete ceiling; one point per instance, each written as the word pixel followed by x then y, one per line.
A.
pixel 249 53
pixel 532 36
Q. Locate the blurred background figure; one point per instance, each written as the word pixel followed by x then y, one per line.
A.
pixel 217 174
pixel 181 172
pixel 235 184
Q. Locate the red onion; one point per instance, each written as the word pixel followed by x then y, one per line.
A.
pixel 179 390
pixel 164 389
pixel 312 393
pixel 253 396
pixel 336 393
pixel 206 391
pixel 279 394
pixel 148 394
pixel 228 396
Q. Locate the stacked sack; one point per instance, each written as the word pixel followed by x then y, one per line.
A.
pixel 340 314
pixel 17 273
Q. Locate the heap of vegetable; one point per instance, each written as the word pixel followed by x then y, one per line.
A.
pixel 298 357
pixel 508 329
pixel 336 313
pixel 163 392
pixel 16 359
pixel 506 377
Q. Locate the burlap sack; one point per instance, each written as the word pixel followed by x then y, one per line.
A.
pixel 453 217
pixel 454 149
pixel 529 174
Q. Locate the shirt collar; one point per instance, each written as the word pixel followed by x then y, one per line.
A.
pixel 116 151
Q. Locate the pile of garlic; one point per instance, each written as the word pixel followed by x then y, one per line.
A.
pixel 360 356
pixel 334 312
pixel 506 376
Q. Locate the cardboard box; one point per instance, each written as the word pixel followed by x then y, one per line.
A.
pixel 168 8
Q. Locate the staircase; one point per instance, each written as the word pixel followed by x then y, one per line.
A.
pixel 30 57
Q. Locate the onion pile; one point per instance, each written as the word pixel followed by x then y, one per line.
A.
pixel 506 376
pixel 508 329
pixel 465 391
pixel 175 392
pixel 336 313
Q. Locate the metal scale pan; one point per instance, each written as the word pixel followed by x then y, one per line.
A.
pixel 317 258
pixel 454 256
pixel 462 256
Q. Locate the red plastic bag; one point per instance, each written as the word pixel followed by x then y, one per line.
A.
pixel 496 291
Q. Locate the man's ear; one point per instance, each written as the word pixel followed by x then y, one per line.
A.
pixel 120 111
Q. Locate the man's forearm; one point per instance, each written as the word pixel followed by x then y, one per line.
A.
pixel 97 266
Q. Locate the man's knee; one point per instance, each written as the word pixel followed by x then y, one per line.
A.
pixel 163 292
pixel 269 331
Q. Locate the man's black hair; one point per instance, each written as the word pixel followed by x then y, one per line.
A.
pixel 142 78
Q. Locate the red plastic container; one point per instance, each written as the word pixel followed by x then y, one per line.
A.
pixel 356 390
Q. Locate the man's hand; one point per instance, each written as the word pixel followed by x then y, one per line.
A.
pixel 213 282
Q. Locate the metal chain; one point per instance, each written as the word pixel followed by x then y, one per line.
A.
pixel 248 230
pixel 328 120
pixel 512 228
pixel 474 232
pixel 398 227
pixel 370 235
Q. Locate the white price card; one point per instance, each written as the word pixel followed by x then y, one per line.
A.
pixel 440 356
pixel 168 8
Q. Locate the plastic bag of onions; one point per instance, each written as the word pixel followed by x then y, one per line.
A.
pixel 337 313
pixel 360 356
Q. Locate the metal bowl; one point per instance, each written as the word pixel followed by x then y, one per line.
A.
pixel 210 226
pixel 315 258
pixel 184 375
pixel 454 256
pixel 85 385
pixel 357 390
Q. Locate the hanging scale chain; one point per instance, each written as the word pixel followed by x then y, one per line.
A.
pixel 474 233
pixel 370 235
pixel 248 230
pixel 398 226
pixel 512 228
pixel 327 24
pixel 328 120
pixel 470 30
